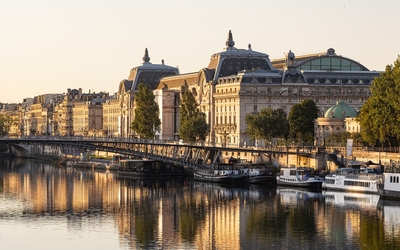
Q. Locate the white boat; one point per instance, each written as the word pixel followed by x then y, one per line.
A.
pixel 391 186
pixel 354 180
pixel 298 177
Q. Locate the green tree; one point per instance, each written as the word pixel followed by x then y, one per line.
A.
pixel 380 114
pixel 338 138
pixel 147 113
pixel 267 124
pixel 193 124
pixel 301 120
pixel 6 122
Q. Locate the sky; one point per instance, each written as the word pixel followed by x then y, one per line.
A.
pixel 48 46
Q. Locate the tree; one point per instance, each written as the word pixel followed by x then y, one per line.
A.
pixel 146 121
pixel 6 122
pixel 380 114
pixel 193 125
pixel 267 124
pixel 301 120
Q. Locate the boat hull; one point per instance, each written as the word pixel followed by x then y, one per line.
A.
pixel 317 184
pixel 211 178
pixel 269 180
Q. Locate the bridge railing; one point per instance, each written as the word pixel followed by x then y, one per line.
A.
pixel 281 148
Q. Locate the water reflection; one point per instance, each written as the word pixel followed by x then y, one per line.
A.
pixel 183 214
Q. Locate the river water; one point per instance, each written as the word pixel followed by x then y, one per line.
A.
pixel 50 207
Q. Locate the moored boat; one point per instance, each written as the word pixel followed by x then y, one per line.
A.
pixel 298 177
pixel 147 168
pixel 257 174
pixel 391 186
pixel 354 180
pixel 219 173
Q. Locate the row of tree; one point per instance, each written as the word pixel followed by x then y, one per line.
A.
pixel 263 125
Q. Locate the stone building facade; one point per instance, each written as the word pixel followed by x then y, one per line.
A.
pixel 111 113
pixel 147 73
pixel 241 81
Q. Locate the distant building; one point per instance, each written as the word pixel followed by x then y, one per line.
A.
pixel 88 118
pixel 338 118
pixel 63 118
pixel 37 114
pixel 111 114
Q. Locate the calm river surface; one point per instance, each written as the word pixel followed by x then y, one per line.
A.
pixel 50 207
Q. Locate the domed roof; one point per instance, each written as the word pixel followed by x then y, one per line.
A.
pixel 340 110
pixel 149 73
pixel 231 60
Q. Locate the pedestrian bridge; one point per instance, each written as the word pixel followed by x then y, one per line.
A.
pixel 193 155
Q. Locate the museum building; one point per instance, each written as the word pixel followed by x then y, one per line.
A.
pixel 241 81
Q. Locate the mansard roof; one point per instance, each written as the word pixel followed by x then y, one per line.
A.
pixel 126 85
pixel 233 60
pixel 150 74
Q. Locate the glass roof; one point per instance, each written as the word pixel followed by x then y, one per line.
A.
pixel 331 63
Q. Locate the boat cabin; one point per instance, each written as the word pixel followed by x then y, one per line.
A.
pixel 138 165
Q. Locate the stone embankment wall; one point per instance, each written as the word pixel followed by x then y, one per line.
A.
pixel 324 162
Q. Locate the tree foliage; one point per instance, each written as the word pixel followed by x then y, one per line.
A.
pixel 340 138
pixel 267 124
pixel 380 115
pixel 301 120
pixel 147 113
pixel 6 122
pixel 193 124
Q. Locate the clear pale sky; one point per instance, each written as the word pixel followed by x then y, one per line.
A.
pixel 48 46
